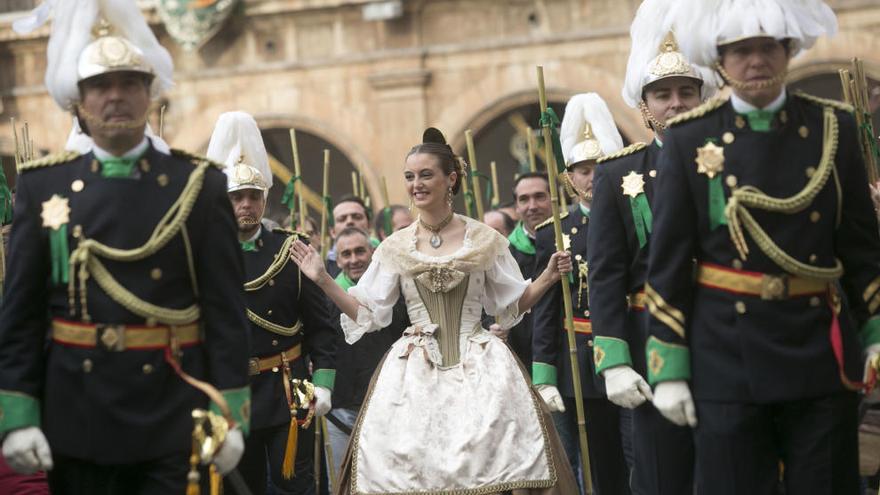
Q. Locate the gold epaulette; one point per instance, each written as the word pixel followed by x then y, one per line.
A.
pixel 825 102
pixel 195 158
pixel 549 221
pixel 288 232
pixel 697 112
pixel 629 150
pixel 49 160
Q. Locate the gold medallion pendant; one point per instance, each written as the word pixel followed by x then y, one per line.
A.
pixel 710 160
pixel 56 212
pixel 633 184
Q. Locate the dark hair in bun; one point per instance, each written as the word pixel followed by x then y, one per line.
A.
pixel 433 143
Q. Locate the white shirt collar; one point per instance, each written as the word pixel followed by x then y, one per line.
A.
pixel 742 106
pixel 256 235
pixel 102 154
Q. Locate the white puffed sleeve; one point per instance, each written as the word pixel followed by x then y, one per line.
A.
pixel 377 292
pixel 504 287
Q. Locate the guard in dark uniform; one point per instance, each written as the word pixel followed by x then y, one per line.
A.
pixel 767 192
pixel 661 83
pixel 588 133
pixel 123 286
pixel 289 321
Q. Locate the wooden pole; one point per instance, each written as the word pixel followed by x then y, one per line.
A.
pixel 162 122
pixel 855 92
pixel 324 213
pixel 472 158
pixel 354 183
pixel 298 185
pixel 496 197
pixel 331 468
pixel 566 295
pixel 530 142
pixel 465 189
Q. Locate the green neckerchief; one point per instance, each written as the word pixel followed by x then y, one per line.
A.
pixel 343 281
pixel 659 143
pixel 585 210
pixel 521 240
pixel 118 168
pixel 760 120
pixel 248 245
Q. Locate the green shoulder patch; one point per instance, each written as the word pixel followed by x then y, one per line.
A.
pixel 825 102
pixel 49 160
pixel 194 158
pixel 629 150
pixel 709 106
pixel 549 221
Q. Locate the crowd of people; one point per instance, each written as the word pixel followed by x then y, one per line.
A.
pixel 702 317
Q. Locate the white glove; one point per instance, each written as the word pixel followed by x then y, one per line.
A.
pixel 322 401
pixel 230 452
pixel 27 451
pixel 496 330
pixel 673 400
pixel 551 396
pixel 625 387
pixel 872 359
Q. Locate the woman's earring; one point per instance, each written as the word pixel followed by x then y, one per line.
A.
pixel 449 196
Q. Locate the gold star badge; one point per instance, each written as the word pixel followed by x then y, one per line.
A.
pixel 710 159
pixel 56 212
pixel 633 184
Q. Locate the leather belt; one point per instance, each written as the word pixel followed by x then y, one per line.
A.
pixel 582 326
pixel 123 337
pixel 274 362
pixel 637 300
pixel 766 286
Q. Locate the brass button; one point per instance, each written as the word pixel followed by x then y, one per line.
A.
pixel 739 121
pixel 77 185
pixel 77 231
pixel 810 171
pixel 259 243
pixel 271 282
pixel 815 216
pixel 269 312
pixel 145 166
pixel 738 264
pixel 578 257
pixel 162 180
pixel 574 230
pixel 587 313
pixel 156 273
pixel 783 116
pixel 87 365
pixel 803 131
pixel 274 342
pixel 813 258
pixel 275 369
pixel 652 173
pixel 147 368
pixel 740 307
pixel 730 180
pixel 589 343
pixel 815 301
pixel 728 137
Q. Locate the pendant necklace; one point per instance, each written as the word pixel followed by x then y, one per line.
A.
pixel 436 241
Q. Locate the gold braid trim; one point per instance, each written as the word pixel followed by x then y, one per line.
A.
pixel 711 105
pixel 824 102
pixel 663 311
pixel 274 327
pixel 745 197
pixel 49 161
pixel 871 289
pixel 87 254
pixel 629 150
pixel 281 259
pixel 549 221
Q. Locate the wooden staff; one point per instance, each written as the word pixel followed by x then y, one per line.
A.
pixel 465 189
pixel 298 185
pixel 530 142
pixel 472 158
pixel 362 190
pixel 855 92
pixel 317 452
pixel 18 154
pixel 496 199
pixel 354 183
pixel 331 468
pixel 566 294
pixel 324 213
pixel 162 122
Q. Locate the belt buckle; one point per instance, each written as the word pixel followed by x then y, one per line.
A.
pixel 254 366
pixel 774 287
pixel 111 337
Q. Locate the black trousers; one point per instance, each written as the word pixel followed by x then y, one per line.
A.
pixel 604 441
pixel 739 447
pixel 664 454
pixel 264 450
pixel 159 477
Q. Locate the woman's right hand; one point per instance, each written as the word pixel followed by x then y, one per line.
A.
pixel 308 260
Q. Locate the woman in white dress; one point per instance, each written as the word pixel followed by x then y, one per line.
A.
pixel 450 410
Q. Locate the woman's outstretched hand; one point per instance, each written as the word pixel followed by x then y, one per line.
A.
pixel 308 260
pixel 559 265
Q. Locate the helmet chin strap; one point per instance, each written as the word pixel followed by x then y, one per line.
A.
pixel 648 118
pixel 750 86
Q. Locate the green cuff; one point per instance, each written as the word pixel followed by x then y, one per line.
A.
pixel 609 352
pixel 239 400
pixel 667 361
pixel 543 374
pixel 324 378
pixel 18 410
pixel 870 332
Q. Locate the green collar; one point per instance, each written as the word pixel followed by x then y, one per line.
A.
pixel 343 281
pixel 760 120
pixel 248 245
pixel 521 240
pixel 659 143
pixel 585 210
pixel 118 167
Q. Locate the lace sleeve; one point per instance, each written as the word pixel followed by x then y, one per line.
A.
pixel 377 292
pixel 504 287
